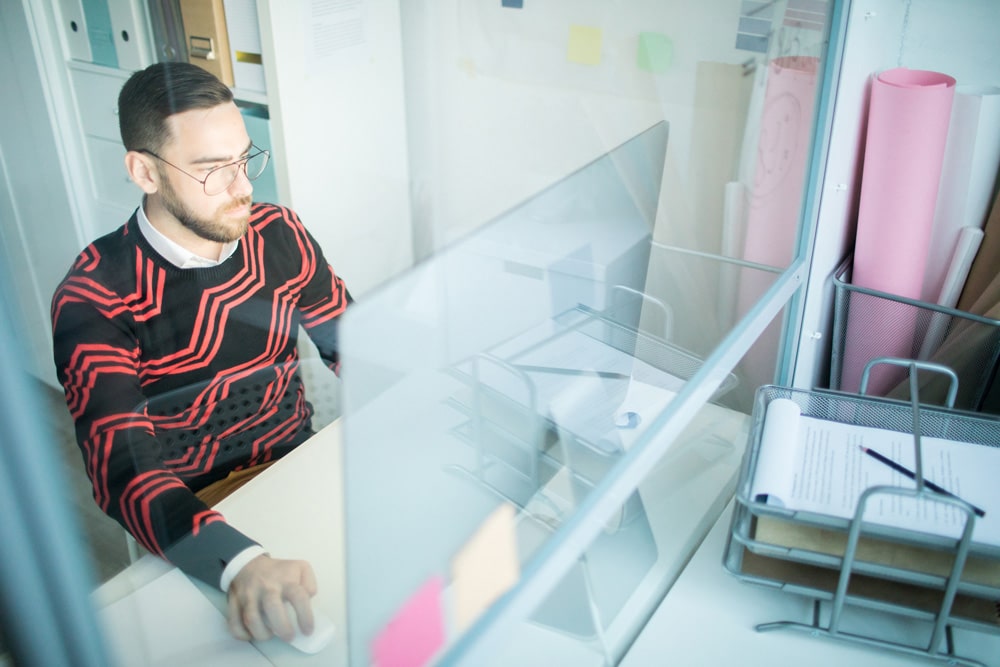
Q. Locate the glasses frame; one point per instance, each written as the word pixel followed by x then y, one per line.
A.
pixel 241 164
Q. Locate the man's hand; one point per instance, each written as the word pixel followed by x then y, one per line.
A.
pixel 257 597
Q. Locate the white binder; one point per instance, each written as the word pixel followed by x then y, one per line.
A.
pixel 244 45
pixel 131 33
pixel 74 30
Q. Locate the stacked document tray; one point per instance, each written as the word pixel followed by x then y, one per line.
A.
pixel 543 412
pixel 837 534
pixel 967 343
pixel 569 379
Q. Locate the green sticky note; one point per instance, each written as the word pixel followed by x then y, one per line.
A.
pixel 655 53
pixel 584 45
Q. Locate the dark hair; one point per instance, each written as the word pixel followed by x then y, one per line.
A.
pixel 152 95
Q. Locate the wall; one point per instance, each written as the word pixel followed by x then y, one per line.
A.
pixel 495 112
pixel 338 130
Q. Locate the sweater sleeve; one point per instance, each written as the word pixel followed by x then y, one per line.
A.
pixel 97 361
pixel 324 296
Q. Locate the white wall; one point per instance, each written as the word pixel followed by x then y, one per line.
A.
pixel 495 112
pixel 338 131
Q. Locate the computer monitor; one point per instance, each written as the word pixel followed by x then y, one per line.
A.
pixel 440 425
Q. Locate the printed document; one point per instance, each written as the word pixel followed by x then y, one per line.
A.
pixel 815 465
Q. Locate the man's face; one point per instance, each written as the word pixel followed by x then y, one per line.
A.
pixel 201 140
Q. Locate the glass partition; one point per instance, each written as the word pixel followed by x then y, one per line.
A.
pixel 609 204
pixel 569 382
pixel 500 371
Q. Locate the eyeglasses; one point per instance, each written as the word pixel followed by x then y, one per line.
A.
pixel 219 179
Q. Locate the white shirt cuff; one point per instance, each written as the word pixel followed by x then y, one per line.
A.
pixel 236 564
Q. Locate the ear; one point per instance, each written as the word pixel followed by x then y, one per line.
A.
pixel 142 171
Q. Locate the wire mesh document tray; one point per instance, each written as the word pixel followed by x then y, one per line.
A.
pixel 539 412
pixel 515 389
pixel 850 529
pixel 869 324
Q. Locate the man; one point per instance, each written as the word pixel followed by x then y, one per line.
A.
pixel 175 343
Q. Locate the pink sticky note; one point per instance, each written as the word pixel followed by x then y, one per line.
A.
pixel 415 633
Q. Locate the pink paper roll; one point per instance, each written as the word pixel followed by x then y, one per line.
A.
pixel 775 202
pixel 908 120
pixel 783 148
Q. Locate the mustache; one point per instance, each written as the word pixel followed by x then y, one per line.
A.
pixel 241 201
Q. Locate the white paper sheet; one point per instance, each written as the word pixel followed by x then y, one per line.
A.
pixel 816 465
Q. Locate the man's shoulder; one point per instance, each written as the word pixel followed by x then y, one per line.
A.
pixel 110 252
pixel 101 271
pixel 263 213
pixel 274 219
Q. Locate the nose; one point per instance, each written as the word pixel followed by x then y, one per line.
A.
pixel 241 185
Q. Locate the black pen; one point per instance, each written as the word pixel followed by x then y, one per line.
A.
pixel 909 473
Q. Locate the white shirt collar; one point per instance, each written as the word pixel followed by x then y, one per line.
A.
pixel 173 252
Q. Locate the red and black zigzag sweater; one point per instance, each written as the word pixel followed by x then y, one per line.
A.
pixel 176 377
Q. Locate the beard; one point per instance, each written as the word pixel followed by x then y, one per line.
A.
pixel 217 228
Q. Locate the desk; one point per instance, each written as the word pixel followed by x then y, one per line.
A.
pixel 708 618
pixel 683 495
pixel 295 508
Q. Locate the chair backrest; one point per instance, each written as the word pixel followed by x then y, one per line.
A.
pixel 323 391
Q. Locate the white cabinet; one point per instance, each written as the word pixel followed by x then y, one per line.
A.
pixel 95 92
pixel 108 195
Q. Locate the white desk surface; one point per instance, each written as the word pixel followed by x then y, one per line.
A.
pixel 303 489
pixel 683 495
pixel 708 618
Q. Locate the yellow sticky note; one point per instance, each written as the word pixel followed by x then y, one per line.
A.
pixel 485 568
pixel 584 45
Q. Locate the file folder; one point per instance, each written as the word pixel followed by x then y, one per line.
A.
pixel 74 27
pixel 128 29
pixel 102 43
pixel 245 48
pixel 206 37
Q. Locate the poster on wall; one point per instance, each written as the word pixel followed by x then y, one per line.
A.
pixel 336 34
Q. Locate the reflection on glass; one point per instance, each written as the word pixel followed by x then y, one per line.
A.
pixel 521 364
pixel 509 368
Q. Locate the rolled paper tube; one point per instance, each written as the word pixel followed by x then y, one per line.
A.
pixel 774 205
pixel 968 174
pixel 908 119
pixel 969 239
